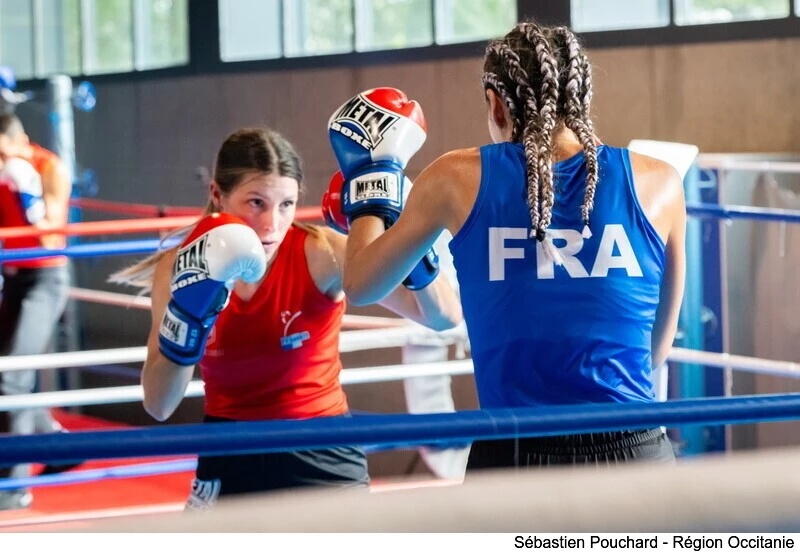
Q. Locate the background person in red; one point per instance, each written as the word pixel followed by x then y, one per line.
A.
pixel 272 352
pixel 34 190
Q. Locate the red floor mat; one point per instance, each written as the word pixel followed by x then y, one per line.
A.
pixel 73 507
pixel 106 498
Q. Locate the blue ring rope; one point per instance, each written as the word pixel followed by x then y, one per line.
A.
pixel 123 472
pixel 392 430
pixel 89 475
pixel 86 250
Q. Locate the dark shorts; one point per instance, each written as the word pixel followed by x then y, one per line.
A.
pixel 229 475
pixel 574 449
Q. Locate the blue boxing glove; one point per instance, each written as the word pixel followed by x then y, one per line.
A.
pixel 379 125
pixel 8 98
pixel 7 78
pixel 220 250
pixel 378 189
pixel 374 135
pixel 381 190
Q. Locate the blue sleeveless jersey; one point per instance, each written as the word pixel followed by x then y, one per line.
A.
pixel 545 334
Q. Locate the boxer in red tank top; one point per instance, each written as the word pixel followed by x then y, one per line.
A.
pixel 277 356
pixel 54 194
pixel 272 352
pixel 34 191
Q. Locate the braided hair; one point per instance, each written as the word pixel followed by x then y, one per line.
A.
pixel 544 78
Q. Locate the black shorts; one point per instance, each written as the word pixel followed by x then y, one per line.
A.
pixel 227 475
pixel 573 449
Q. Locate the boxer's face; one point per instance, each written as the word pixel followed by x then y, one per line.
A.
pixel 10 146
pixel 267 202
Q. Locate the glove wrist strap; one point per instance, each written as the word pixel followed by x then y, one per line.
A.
pixel 182 336
pixel 424 273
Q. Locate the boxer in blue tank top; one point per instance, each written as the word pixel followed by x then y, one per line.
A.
pixel 569 253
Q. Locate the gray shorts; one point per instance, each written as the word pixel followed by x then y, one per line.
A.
pixel 31 306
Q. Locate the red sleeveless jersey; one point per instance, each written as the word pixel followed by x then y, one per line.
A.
pixel 276 356
pixel 12 214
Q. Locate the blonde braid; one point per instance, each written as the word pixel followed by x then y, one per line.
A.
pixel 493 81
pixel 593 172
pixel 548 68
pixel 532 131
pixel 530 139
pixel 586 89
pixel 577 119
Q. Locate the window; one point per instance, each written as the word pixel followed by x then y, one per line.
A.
pixel 58 37
pixel 473 20
pixel 692 12
pixel 249 29
pixel 108 36
pixel 390 24
pixel 16 36
pixel 39 38
pixel 608 15
pixel 318 27
pixel 161 33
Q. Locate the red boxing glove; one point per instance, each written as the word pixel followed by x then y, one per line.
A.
pixel 332 205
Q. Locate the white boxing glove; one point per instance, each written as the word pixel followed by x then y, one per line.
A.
pixel 20 176
pixel 220 250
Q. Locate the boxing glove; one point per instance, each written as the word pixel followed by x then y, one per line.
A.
pixel 422 275
pixel 19 176
pixel 220 250
pixel 389 210
pixel 7 78
pixel 373 136
pixel 332 205
pixel 378 125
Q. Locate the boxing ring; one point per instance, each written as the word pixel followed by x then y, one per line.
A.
pixel 633 498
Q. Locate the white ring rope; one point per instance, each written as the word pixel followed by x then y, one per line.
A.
pixel 143 302
pixel 383 373
pixel 354 340
pixel 372 339
pixel 195 389
pixel 110 298
pixel 386 334
pixel 73 359
pixel 738 362
pixel 727 162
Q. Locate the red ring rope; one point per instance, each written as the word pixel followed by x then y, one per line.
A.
pixel 133 225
